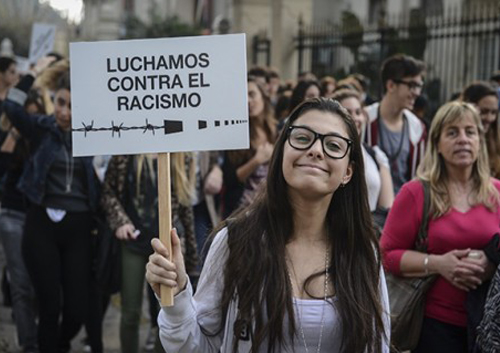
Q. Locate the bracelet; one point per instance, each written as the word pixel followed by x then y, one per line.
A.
pixel 426 262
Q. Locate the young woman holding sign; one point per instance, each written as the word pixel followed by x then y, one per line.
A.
pixel 299 269
pixel 63 193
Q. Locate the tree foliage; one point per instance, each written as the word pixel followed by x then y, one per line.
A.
pixel 158 27
pixel 352 30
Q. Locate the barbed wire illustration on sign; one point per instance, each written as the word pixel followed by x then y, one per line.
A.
pixel 169 126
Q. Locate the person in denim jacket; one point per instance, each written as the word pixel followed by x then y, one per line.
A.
pixel 63 194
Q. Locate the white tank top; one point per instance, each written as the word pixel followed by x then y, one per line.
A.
pixel 309 315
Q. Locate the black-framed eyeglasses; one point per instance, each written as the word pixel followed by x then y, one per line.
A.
pixel 412 85
pixel 334 145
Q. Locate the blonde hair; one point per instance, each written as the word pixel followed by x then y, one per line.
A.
pixel 140 160
pixel 47 82
pixel 182 171
pixel 432 168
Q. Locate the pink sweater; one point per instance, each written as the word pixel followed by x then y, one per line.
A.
pixel 455 230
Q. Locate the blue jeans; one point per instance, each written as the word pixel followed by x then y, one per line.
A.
pixel 23 297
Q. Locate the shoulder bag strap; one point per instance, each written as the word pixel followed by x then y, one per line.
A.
pixel 421 243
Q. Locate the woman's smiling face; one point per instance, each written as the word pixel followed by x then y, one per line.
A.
pixel 311 172
pixel 353 106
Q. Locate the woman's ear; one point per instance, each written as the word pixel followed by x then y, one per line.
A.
pixel 348 174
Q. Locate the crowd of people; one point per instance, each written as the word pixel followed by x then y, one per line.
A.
pixel 282 247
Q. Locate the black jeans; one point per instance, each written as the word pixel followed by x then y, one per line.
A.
pixel 440 337
pixel 58 259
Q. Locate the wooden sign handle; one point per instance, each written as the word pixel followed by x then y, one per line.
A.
pixel 165 217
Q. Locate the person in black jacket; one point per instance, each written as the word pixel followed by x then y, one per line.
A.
pixel 63 194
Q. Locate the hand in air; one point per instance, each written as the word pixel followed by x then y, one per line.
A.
pixel 42 64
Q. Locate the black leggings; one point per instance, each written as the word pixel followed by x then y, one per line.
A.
pixel 58 259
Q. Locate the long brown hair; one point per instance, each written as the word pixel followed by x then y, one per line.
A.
pixel 256 268
pixel 240 157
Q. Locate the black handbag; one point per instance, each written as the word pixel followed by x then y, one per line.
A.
pixel 407 295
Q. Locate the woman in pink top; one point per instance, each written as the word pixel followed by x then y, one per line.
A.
pixel 464 215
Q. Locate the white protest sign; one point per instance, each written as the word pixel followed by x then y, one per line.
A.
pixel 42 41
pixel 23 64
pixel 159 95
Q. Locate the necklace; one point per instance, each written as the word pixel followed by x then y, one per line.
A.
pixel 299 312
pixel 70 167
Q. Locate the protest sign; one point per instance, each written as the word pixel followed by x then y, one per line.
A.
pixel 23 64
pixel 159 96
pixel 42 41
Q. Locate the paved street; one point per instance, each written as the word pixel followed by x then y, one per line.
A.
pixel 8 339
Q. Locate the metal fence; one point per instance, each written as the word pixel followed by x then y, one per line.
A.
pixel 261 49
pixel 458 45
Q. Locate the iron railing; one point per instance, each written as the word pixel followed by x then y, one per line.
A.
pixel 458 45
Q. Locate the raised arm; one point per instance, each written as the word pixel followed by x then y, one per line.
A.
pixel 28 125
pixel 193 324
